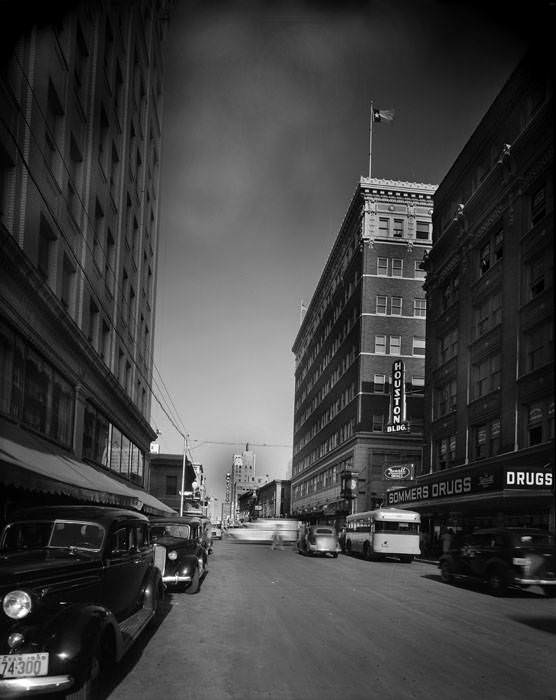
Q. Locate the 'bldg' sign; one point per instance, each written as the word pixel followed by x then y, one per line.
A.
pixel 397 422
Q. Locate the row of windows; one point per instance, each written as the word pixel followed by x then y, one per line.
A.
pixel 381 384
pixel 537 350
pixel 34 393
pixel 331 412
pixel 326 417
pixel 392 345
pixel 345 432
pixel 108 447
pixel 536 423
pixel 394 267
pixel 393 306
pixel 392 227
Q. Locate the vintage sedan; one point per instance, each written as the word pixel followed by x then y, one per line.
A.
pixel 78 585
pixel 503 557
pixel 318 539
pixel 179 552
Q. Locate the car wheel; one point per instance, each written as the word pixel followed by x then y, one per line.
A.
pixel 335 555
pixel 497 581
pixel 195 582
pixel 406 558
pixel 549 591
pixel 446 573
pixel 100 668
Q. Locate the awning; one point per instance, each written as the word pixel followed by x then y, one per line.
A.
pixel 28 462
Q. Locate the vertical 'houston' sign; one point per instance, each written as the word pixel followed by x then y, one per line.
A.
pixel 397 422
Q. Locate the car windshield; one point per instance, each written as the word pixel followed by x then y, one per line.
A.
pixel 171 530
pixel 60 534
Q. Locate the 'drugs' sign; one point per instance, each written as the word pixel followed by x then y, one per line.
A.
pixel 397 422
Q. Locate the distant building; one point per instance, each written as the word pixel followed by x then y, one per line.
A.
pixel 489 416
pixel 167 472
pixel 367 313
pixel 80 135
pixel 242 479
pixel 274 499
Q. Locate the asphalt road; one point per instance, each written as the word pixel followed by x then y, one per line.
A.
pixel 274 624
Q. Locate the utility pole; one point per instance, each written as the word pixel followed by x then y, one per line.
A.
pixel 182 490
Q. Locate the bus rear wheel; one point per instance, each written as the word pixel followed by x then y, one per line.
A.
pixel 366 551
pixel 406 558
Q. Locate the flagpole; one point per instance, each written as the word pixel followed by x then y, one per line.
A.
pixel 371 138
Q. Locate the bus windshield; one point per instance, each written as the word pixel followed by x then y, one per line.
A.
pixel 388 526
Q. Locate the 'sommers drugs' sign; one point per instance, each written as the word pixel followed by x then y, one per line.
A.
pixel 397 422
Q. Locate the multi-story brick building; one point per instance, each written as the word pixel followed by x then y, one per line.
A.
pixel 80 131
pixel 367 312
pixel 489 415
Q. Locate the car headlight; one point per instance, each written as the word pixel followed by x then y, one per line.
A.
pixel 173 555
pixel 17 604
pixel 521 561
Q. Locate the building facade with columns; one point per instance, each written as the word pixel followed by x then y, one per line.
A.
pixel 489 416
pixel 365 323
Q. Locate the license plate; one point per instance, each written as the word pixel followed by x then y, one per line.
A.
pixel 23 665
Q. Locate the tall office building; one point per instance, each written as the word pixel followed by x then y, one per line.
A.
pixel 359 354
pixel 490 328
pixel 80 131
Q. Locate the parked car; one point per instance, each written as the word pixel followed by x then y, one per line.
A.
pixel 179 554
pixel 319 539
pixel 216 532
pixel 503 557
pixel 78 585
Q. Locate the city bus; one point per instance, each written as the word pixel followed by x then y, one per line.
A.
pixel 383 533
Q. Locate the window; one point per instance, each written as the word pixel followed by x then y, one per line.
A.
pixel 485 439
pixel 380 344
pixel 538 205
pixel 103 139
pixel 54 129
pixel 68 284
pixel 488 314
pixel 397 231
pixel 445 451
pixel 104 347
pixel 484 257
pixel 46 249
pixel 418 345
pixel 383 227
pixel 109 262
pixel 448 346
pixel 419 273
pixel 397 267
pixel 417 384
pixel 382 267
pixel 536 277
pixel 395 344
pixel 445 399
pixel 171 485
pixel 379 384
pixel 378 423
pixel 381 305
pixel 539 417
pixel 539 346
pixel 485 376
pixel 81 60
pixel 450 292
pixel 419 307
pixel 422 231
pixel 98 236
pixel 396 306
pixel 74 180
pixel 92 330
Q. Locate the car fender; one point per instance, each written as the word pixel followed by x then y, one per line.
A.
pixel 72 635
pixel 152 582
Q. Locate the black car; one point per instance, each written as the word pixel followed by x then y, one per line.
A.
pixel 179 552
pixel 78 585
pixel 503 557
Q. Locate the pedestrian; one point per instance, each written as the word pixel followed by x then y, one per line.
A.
pixel 276 540
pixel 447 540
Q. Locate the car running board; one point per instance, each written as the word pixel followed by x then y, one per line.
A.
pixel 132 627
